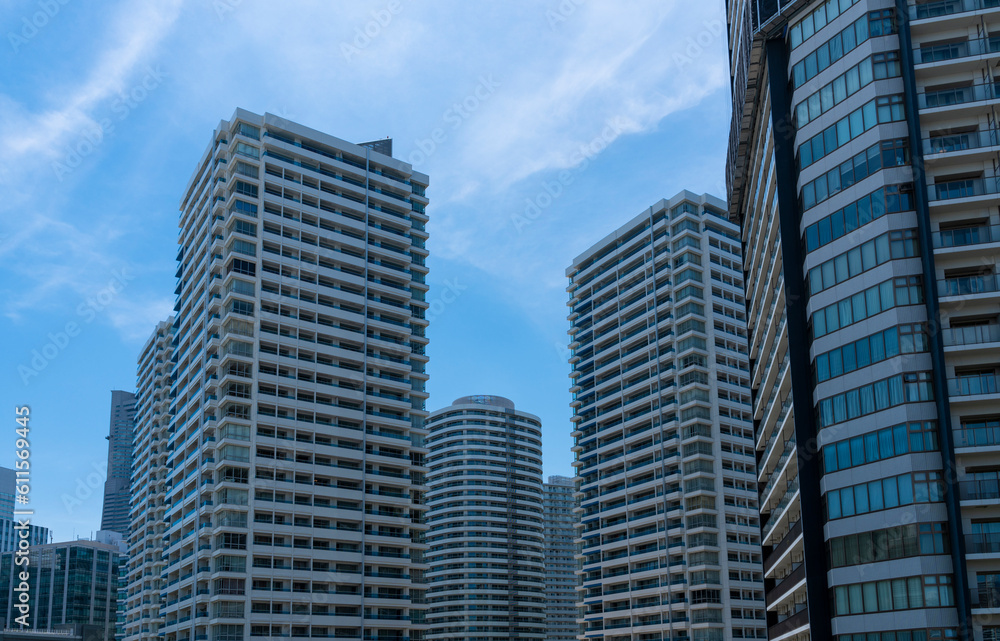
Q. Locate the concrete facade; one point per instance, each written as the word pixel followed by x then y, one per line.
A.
pixel 295 447
pixel 662 430
pixel 862 166
pixel 487 566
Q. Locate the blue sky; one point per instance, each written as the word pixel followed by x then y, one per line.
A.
pixel 543 124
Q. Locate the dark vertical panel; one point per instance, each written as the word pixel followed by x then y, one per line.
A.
pixel 798 342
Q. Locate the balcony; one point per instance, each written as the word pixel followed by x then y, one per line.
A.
pixel 973 385
pixel 954 99
pixel 956 50
pixel 979 490
pixel 940 8
pixel 972 335
pixel 968 285
pixel 979 436
pixel 985 597
pixel 966 236
pixel 983 543
pixel 798 620
pixel 967 141
pixel 963 188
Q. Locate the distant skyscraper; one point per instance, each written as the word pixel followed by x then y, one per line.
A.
pixel 115 516
pixel 70 584
pixel 294 497
pixel 864 171
pixel 8 488
pixel 486 526
pixel 663 430
pixel 561 576
pixel 10 534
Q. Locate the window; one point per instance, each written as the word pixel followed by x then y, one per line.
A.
pixel 247 150
pixel 246 189
pixel 248 130
pixel 816 20
pixel 887 544
pixel 889 199
pixel 876 67
pixel 246 169
pixel 879 445
pixel 904 339
pixel 874 300
pixel 848 173
pixel 880 110
pixel 881 249
pixel 876 23
pixel 242 267
pixel 245 208
pixel 875 397
pixel 884 494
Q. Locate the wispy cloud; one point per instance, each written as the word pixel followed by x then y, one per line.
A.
pixel 58 251
pixel 134 34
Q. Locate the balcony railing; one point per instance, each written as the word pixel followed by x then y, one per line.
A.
pixel 983 543
pixel 940 8
pixel 964 188
pixel 954 50
pixel 977 436
pixel 961 141
pixel 958 95
pixel 966 236
pixel 985 597
pixel 968 285
pixel 973 335
pixel 979 490
pixel 974 385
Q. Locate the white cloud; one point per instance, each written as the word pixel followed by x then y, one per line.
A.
pixel 35 136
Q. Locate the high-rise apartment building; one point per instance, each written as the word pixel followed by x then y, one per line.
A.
pixel 115 516
pixel 69 584
pixel 662 430
pixel 144 598
pixel 295 448
pixel 487 567
pixel 561 578
pixel 863 170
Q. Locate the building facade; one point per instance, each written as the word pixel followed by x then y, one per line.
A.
pixel 863 171
pixel 115 516
pixel 8 492
pixel 10 534
pixel 561 577
pixel 294 494
pixel 662 430
pixel 69 584
pixel 144 597
pixel 486 558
